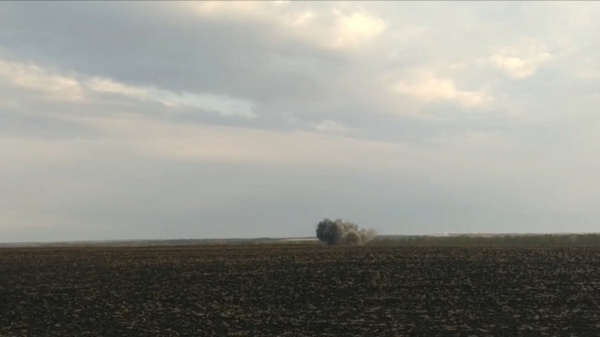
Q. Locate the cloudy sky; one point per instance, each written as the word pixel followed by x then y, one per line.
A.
pixel 221 119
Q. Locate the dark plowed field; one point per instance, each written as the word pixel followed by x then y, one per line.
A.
pixel 300 290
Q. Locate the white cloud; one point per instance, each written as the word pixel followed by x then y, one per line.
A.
pixel 428 88
pixel 329 126
pixel 109 86
pixel 333 29
pixel 37 79
pixel 354 28
pixel 200 142
pixel 55 86
pixel 221 104
pixel 302 18
pixel 519 62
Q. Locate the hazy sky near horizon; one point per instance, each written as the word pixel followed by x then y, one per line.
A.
pixel 149 120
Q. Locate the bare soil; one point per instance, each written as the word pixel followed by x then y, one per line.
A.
pixel 300 290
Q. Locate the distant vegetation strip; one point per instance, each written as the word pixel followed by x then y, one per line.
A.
pixel 517 240
pixel 458 240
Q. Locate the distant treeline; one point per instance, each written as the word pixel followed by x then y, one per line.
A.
pixel 495 240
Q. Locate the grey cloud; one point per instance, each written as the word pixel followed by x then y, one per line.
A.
pixel 281 76
pixel 193 55
pixel 156 50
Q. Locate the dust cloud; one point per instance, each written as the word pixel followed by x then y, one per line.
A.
pixel 339 232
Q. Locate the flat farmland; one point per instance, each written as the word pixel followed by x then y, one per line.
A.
pixel 300 290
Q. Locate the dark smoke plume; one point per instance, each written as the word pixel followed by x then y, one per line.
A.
pixel 341 232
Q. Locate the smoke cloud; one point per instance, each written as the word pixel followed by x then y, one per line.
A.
pixel 341 232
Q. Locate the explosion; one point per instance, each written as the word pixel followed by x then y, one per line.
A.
pixel 341 232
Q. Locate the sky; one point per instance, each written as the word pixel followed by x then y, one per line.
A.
pixel 180 120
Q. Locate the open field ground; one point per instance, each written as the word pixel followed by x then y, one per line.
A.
pixel 300 290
